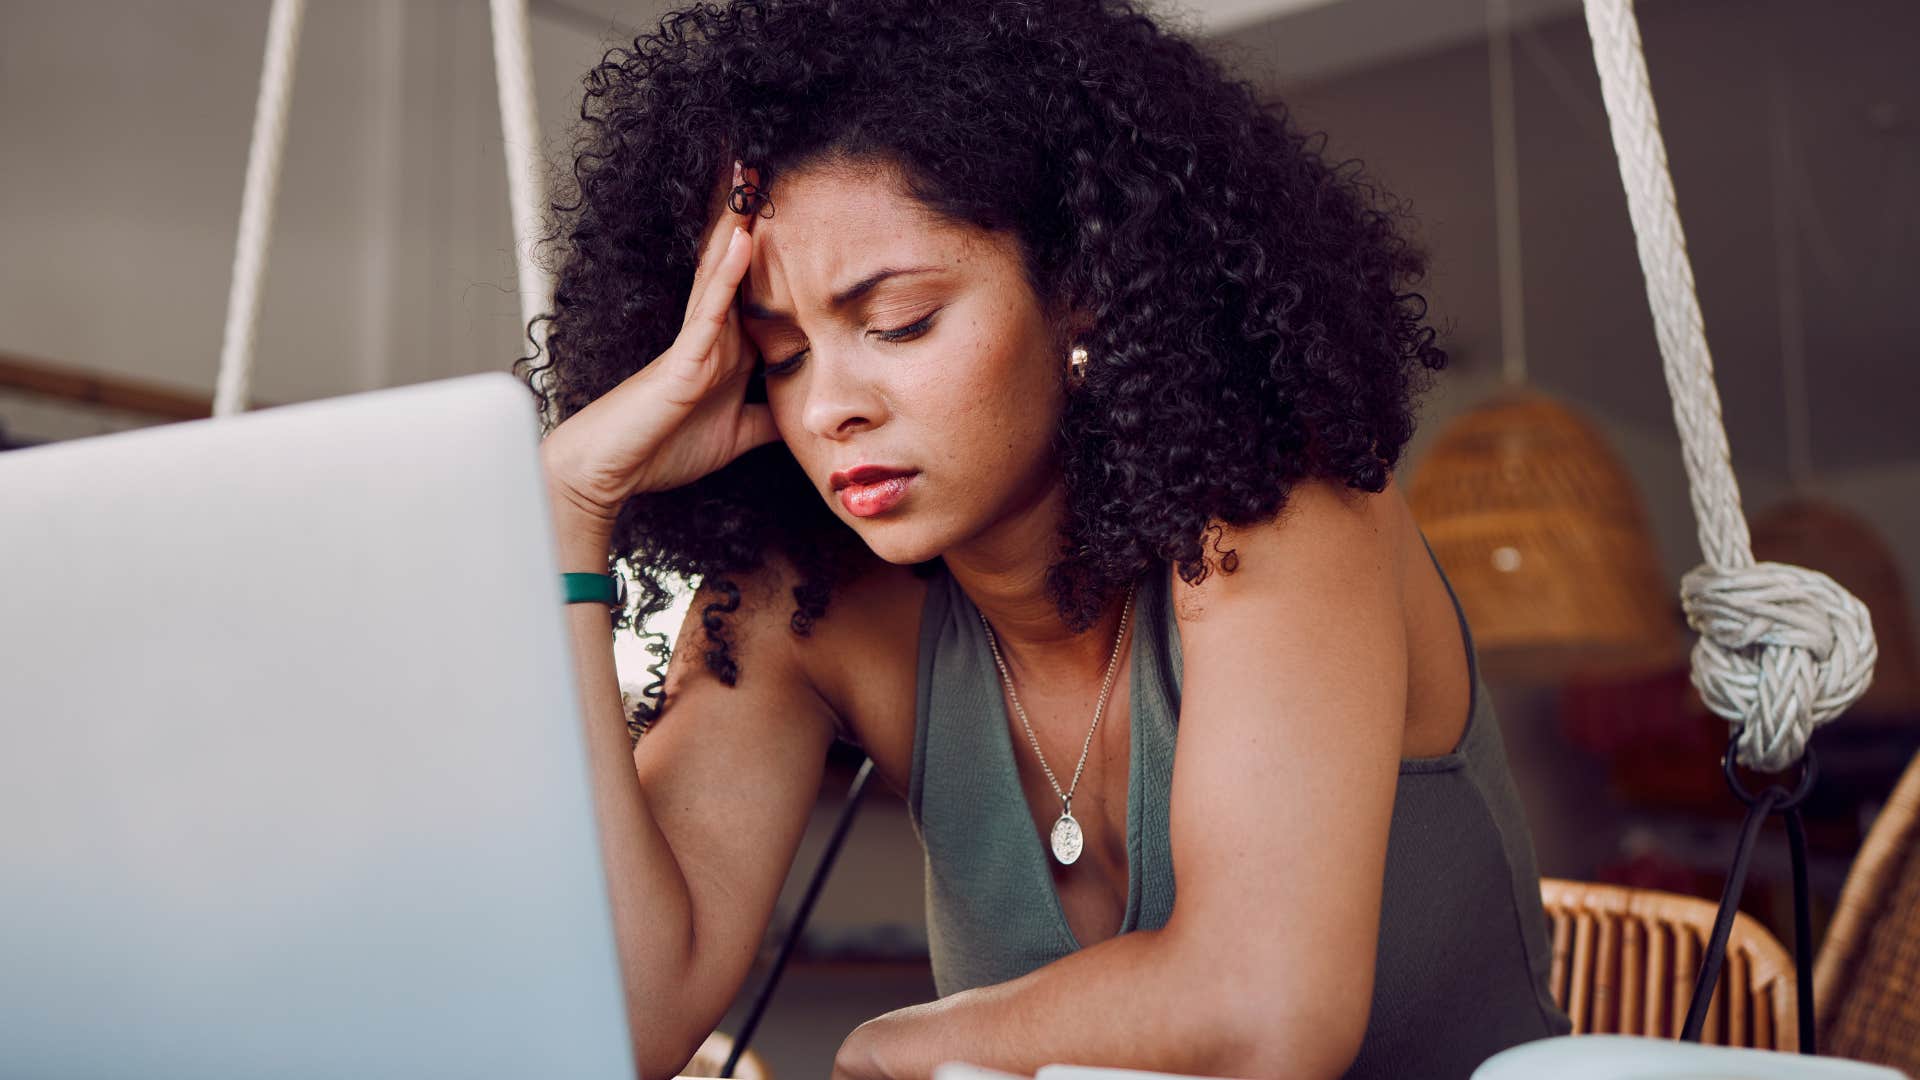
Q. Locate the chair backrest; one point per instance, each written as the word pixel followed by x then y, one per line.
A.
pixel 1625 961
pixel 1863 984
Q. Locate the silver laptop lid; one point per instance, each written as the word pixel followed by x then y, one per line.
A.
pixel 292 780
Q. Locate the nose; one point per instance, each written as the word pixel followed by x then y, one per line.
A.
pixel 841 397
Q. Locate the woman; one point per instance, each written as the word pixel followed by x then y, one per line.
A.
pixel 1029 397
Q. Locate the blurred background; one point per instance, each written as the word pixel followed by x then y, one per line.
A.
pixel 1793 131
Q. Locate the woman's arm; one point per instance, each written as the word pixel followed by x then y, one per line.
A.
pixel 1293 705
pixel 699 822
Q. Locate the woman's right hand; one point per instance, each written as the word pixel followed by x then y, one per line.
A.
pixel 681 416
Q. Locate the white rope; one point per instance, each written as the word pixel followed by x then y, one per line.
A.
pixel 526 175
pixel 256 207
pixel 1782 648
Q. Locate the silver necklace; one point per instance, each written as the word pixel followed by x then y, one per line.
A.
pixel 1067 839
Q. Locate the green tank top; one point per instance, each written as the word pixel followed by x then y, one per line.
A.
pixel 1460 972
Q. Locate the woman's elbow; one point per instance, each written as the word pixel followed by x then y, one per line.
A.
pixel 662 1050
pixel 1275 1026
pixel 1297 1047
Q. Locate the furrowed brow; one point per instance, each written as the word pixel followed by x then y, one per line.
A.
pixel 839 299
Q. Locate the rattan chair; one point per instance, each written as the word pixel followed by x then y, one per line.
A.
pixel 1866 981
pixel 1625 960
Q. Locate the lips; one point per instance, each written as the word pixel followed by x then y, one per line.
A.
pixel 866 474
pixel 869 490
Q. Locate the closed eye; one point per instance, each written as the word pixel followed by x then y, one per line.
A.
pixel 908 333
pixel 903 333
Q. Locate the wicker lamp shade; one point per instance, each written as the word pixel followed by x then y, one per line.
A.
pixel 1544 537
pixel 1817 534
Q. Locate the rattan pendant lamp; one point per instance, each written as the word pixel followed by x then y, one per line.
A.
pixel 1808 529
pixel 1529 510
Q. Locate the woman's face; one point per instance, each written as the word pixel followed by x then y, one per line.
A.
pixel 896 342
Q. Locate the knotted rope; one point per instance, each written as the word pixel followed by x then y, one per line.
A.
pixel 1782 649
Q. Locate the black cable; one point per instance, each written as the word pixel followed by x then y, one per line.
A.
pixel 1802 928
pixel 1716 951
pixel 1775 799
pixel 820 871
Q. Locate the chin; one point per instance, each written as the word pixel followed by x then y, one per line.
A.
pixel 902 554
pixel 898 541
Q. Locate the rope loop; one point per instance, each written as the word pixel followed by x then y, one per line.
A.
pixel 1782 650
pixel 1787 799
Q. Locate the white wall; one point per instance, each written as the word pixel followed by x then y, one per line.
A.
pixel 125 127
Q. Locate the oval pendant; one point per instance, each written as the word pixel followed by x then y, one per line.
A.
pixel 1066 840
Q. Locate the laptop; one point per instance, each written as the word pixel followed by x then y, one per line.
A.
pixel 292 780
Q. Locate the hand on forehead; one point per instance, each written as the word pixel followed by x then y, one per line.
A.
pixel 840 233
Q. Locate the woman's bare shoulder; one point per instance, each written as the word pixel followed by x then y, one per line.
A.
pixel 860 656
pixel 866 659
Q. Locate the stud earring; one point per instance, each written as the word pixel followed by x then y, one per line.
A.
pixel 1077 363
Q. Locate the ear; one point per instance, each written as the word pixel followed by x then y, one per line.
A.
pixel 1071 326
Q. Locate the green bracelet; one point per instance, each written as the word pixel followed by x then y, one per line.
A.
pixel 608 589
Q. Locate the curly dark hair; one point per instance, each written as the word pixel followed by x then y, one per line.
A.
pixel 1252 321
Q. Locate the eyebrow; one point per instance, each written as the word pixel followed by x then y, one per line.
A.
pixel 842 298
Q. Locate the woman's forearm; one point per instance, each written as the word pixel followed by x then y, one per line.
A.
pixel 652 909
pixel 1133 1001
